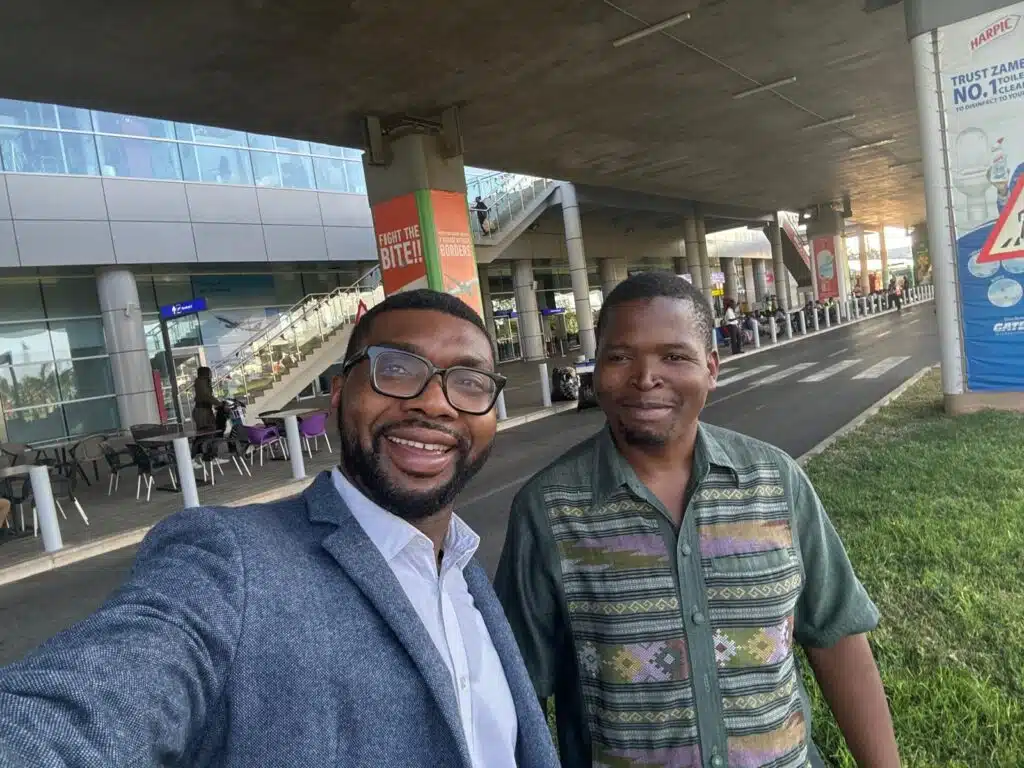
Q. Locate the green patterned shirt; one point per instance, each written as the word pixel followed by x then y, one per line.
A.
pixel 669 648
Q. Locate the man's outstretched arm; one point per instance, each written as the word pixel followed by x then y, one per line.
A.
pixel 848 676
pixel 135 682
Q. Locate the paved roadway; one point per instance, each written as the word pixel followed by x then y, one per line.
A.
pixel 767 395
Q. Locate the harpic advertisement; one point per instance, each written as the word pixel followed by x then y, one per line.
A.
pixel 981 68
pixel 825 265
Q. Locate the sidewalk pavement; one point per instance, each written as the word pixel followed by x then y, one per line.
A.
pixel 121 521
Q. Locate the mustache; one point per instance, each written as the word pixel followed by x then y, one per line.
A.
pixel 461 441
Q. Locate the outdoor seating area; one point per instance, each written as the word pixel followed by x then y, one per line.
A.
pixel 86 473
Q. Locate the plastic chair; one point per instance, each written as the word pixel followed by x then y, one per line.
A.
pixel 89 449
pixel 150 463
pixel 118 458
pixel 313 427
pixel 260 437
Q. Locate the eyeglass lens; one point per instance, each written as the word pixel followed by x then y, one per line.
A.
pixel 403 375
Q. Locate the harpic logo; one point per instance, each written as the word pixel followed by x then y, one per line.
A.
pixel 999 29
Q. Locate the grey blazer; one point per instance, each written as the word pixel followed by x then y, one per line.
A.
pixel 270 635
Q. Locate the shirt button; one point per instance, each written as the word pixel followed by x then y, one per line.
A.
pixel 717 762
pixel 698 617
pixel 685 549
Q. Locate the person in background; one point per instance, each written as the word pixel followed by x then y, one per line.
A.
pixel 731 325
pixel 659 575
pixel 481 213
pixel 349 625
pixel 203 417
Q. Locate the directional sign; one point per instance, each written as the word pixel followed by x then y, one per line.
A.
pixel 171 311
pixel 1006 240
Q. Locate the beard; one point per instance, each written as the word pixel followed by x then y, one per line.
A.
pixel 645 438
pixel 366 469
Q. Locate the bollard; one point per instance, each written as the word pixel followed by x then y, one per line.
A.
pixel 757 333
pixel 291 431
pixel 500 405
pixel 815 320
pixel 545 386
pixel 803 323
pixel 773 329
pixel 46 509
pixel 863 308
pixel 186 475
pixel 789 325
pixel 828 317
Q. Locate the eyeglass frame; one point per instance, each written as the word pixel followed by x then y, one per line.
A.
pixel 365 354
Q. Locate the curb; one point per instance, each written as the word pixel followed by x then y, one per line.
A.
pixel 751 351
pixel 859 420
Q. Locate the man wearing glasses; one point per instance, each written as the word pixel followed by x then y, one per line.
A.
pixel 348 626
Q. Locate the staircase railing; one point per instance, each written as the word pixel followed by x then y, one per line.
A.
pixel 505 196
pixel 260 362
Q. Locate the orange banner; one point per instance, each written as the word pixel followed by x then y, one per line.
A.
pixel 400 249
pixel 456 256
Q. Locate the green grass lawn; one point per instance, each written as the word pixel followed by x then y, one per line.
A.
pixel 931 509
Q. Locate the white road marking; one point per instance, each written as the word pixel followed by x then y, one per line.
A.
pixel 831 371
pixel 841 351
pixel 744 375
pixel 881 368
pixel 916 320
pixel 784 374
pixel 882 335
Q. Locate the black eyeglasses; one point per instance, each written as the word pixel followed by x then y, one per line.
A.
pixel 403 375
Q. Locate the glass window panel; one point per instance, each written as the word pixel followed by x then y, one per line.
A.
pixel 170 289
pixel 74 119
pixel 22 386
pixel 296 172
pixel 209 134
pixel 319 282
pixel 220 165
pixel 139 159
pixel 79 379
pixel 77 338
pixel 330 174
pixel 258 141
pixel 130 125
pixel 356 177
pixel 147 293
pixel 92 416
pixel 154 341
pixel 353 154
pixel 21 300
pixel 13 112
pixel 70 296
pixel 292 145
pixel 25 343
pixel 185 332
pixel 28 151
pixel 287 288
pixel 326 150
pixel 265 169
pixel 34 425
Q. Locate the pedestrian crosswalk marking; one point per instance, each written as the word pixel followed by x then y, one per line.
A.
pixel 745 375
pixel 916 320
pixel 837 353
pixel 831 371
pixel 785 373
pixel 881 368
pixel 883 334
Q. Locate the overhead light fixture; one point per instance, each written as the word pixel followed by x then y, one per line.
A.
pixel 765 87
pixel 830 121
pixel 632 37
pixel 872 144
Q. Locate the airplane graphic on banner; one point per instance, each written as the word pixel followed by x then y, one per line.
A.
pixel 1006 240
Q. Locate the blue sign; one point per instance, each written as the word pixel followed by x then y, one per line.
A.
pixel 171 311
pixel 993 320
pixel 557 311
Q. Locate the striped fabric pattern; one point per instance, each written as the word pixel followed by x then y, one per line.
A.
pixel 629 630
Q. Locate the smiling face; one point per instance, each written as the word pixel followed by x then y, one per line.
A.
pixel 654 370
pixel 412 457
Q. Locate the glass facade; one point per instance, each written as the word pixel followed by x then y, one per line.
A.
pixel 55 376
pixel 46 138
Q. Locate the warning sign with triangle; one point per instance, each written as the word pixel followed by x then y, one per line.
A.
pixel 1006 241
pixel 360 311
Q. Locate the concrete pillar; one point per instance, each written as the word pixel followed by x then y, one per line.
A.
pixel 760 279
pixel 883 251
pixel 578 269
pixel 732 283
pixel 749 283
pixel 779 264
pixel 862 248
pixel 679 265
pixel 126 343
pixel 526 306
pixel 613 272
pixel 705 261
pixel 421 219
pixel 693 252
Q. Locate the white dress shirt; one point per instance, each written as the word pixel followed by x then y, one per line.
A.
pixel 446 608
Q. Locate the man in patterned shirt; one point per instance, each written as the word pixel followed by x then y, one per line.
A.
pixel 658 575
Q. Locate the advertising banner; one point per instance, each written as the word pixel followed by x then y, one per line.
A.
pixel 424 241
pixel 823 253
pixel 981 68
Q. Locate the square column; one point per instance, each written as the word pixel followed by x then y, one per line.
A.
pixel 613 272
pixel 883 251
pixel 749 282
pixel 862 247
pixel 779 265
pixel 421 219
pixel 578 269
pixel 760 279
pixel 692 252
pixel 731 287
pixel 526 307
pixel 705 261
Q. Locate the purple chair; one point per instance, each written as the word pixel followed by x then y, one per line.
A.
pixel 313 427
pixel 260 437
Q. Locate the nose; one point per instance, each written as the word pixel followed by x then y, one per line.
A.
pixel 644 375
pixel 431 401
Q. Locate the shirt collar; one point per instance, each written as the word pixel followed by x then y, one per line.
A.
pixel 611 471
pixel 391 534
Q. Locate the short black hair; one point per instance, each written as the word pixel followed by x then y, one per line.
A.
pixel 658 284
pixel 421 298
